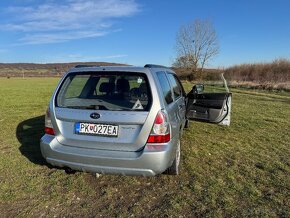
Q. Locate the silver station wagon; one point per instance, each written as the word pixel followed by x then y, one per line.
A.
pixel 124 120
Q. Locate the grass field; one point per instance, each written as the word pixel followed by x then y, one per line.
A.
pixel 241 170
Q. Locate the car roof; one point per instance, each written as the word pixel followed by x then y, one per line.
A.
pixel 145 69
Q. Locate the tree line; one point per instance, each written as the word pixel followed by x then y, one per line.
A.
pixel 197 44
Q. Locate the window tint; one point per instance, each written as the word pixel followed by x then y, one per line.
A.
pixel 179 85
pixel 105 91
pixel 76 87
pixel 175 85
pixel 165 87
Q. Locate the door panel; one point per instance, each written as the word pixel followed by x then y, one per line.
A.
pixel 179 101
pixel 209 107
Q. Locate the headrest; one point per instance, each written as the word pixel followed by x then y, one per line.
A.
pixel 143 88
pixel 123 85
pixel 106 87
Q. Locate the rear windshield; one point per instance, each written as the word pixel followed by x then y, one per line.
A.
pixel 112 91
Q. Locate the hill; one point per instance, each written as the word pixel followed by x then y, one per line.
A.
pixel 41 70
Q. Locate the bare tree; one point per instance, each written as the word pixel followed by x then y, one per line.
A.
pixel 196 44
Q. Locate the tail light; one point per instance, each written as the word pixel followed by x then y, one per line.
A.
pixel 48 125
pixel 160 132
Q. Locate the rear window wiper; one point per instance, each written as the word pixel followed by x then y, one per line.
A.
pixel 89 107
pixel 136 109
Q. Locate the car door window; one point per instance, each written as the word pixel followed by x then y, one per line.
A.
pixel 165 87
pixel 179 85
pixel 177 91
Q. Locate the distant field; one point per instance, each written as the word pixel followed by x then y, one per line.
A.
pixel 241 170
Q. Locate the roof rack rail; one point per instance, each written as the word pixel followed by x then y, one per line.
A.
pixel 154 66
pixel 83 65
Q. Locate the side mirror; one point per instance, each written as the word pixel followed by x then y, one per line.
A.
pixel 198 88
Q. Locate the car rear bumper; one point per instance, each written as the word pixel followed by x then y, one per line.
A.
pixel 150 161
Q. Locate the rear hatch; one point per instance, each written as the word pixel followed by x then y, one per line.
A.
pixel 103 110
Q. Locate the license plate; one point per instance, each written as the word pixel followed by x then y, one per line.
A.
pixel 96 129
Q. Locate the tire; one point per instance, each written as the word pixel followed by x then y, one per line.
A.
pixel 174 168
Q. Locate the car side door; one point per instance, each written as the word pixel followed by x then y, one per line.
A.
pixel 169 101
pixel 209 107
pixel 179 98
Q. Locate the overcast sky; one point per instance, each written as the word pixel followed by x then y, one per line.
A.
pixel 139 31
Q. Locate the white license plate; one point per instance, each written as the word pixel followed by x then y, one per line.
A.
pixel 96 129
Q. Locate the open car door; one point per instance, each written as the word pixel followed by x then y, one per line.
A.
pixel 208 107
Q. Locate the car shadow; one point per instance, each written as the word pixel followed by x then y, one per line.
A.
pixel 28 133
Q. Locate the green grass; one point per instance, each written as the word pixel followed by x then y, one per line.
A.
pixel 241 170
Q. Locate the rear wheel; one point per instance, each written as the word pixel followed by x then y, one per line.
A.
pixel 174 168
